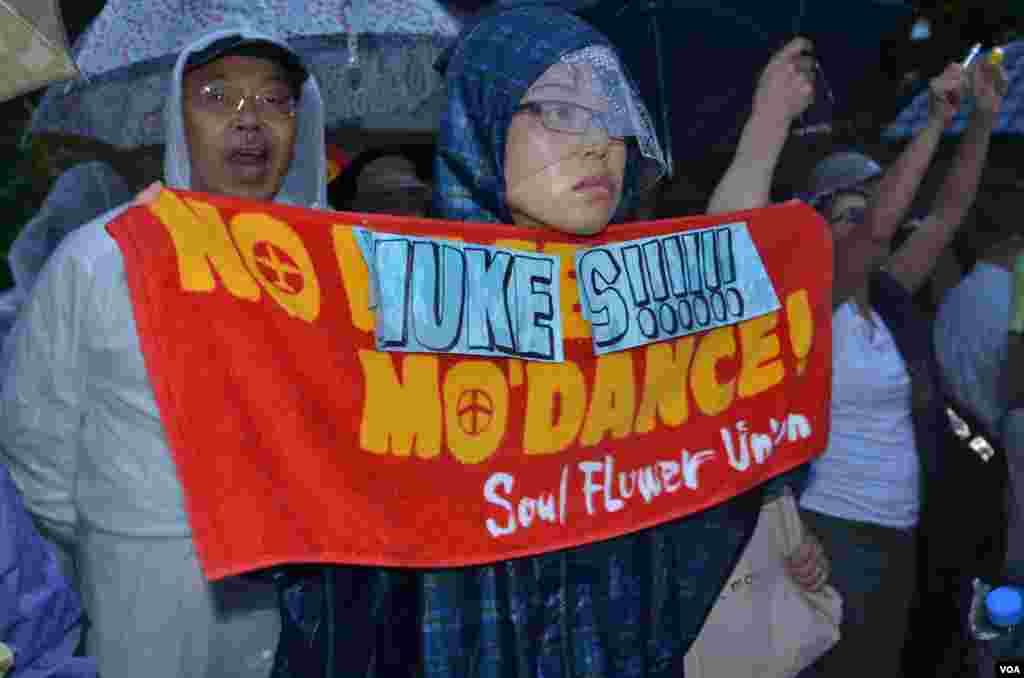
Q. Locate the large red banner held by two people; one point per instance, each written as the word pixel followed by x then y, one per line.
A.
pixel 371 389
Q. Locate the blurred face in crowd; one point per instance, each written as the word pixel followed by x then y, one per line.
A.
pixel 562 169
pixel 846 213
pixel 389 185
pixel 240 125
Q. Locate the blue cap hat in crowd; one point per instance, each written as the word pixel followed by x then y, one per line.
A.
pixel 840 172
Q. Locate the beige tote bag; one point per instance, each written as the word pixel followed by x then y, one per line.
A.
pixel 763 625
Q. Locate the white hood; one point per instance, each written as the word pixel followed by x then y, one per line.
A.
pixel 305 185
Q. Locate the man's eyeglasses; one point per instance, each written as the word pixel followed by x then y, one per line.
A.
pixel 559 116
pixel 219 98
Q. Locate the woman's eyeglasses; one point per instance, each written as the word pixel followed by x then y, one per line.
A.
pixel 219 98
pixel 559 116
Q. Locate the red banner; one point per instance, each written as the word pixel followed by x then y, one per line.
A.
pixel 296 440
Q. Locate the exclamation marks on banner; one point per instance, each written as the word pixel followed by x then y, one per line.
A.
pixel 801 327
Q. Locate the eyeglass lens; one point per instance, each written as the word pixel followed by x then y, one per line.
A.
pixel 224 99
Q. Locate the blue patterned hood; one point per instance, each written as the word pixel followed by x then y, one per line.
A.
pixel 487 73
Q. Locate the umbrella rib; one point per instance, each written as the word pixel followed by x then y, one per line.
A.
pixel 666 118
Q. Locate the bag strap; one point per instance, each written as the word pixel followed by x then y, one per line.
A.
pixel 970 430
pixel 790 521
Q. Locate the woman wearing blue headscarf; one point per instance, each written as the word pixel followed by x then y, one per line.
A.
pixel 544 129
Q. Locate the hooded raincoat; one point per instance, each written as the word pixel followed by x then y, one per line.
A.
pixel 81 432
pixel 79 195
pixel 623 608
pixel 40 615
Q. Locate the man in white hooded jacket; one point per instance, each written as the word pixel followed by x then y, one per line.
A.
pixel 79 425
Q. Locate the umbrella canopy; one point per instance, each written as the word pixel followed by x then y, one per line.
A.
pixel 697 61
pixel 373 60
pixel 1011 116
pixel 33 47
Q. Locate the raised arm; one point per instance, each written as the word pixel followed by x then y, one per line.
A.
pixel 899 184
pixel 913 263
pixel 784 91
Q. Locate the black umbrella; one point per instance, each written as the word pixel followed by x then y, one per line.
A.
pixel 697 61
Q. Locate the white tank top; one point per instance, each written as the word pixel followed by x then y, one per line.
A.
pixel 870 471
